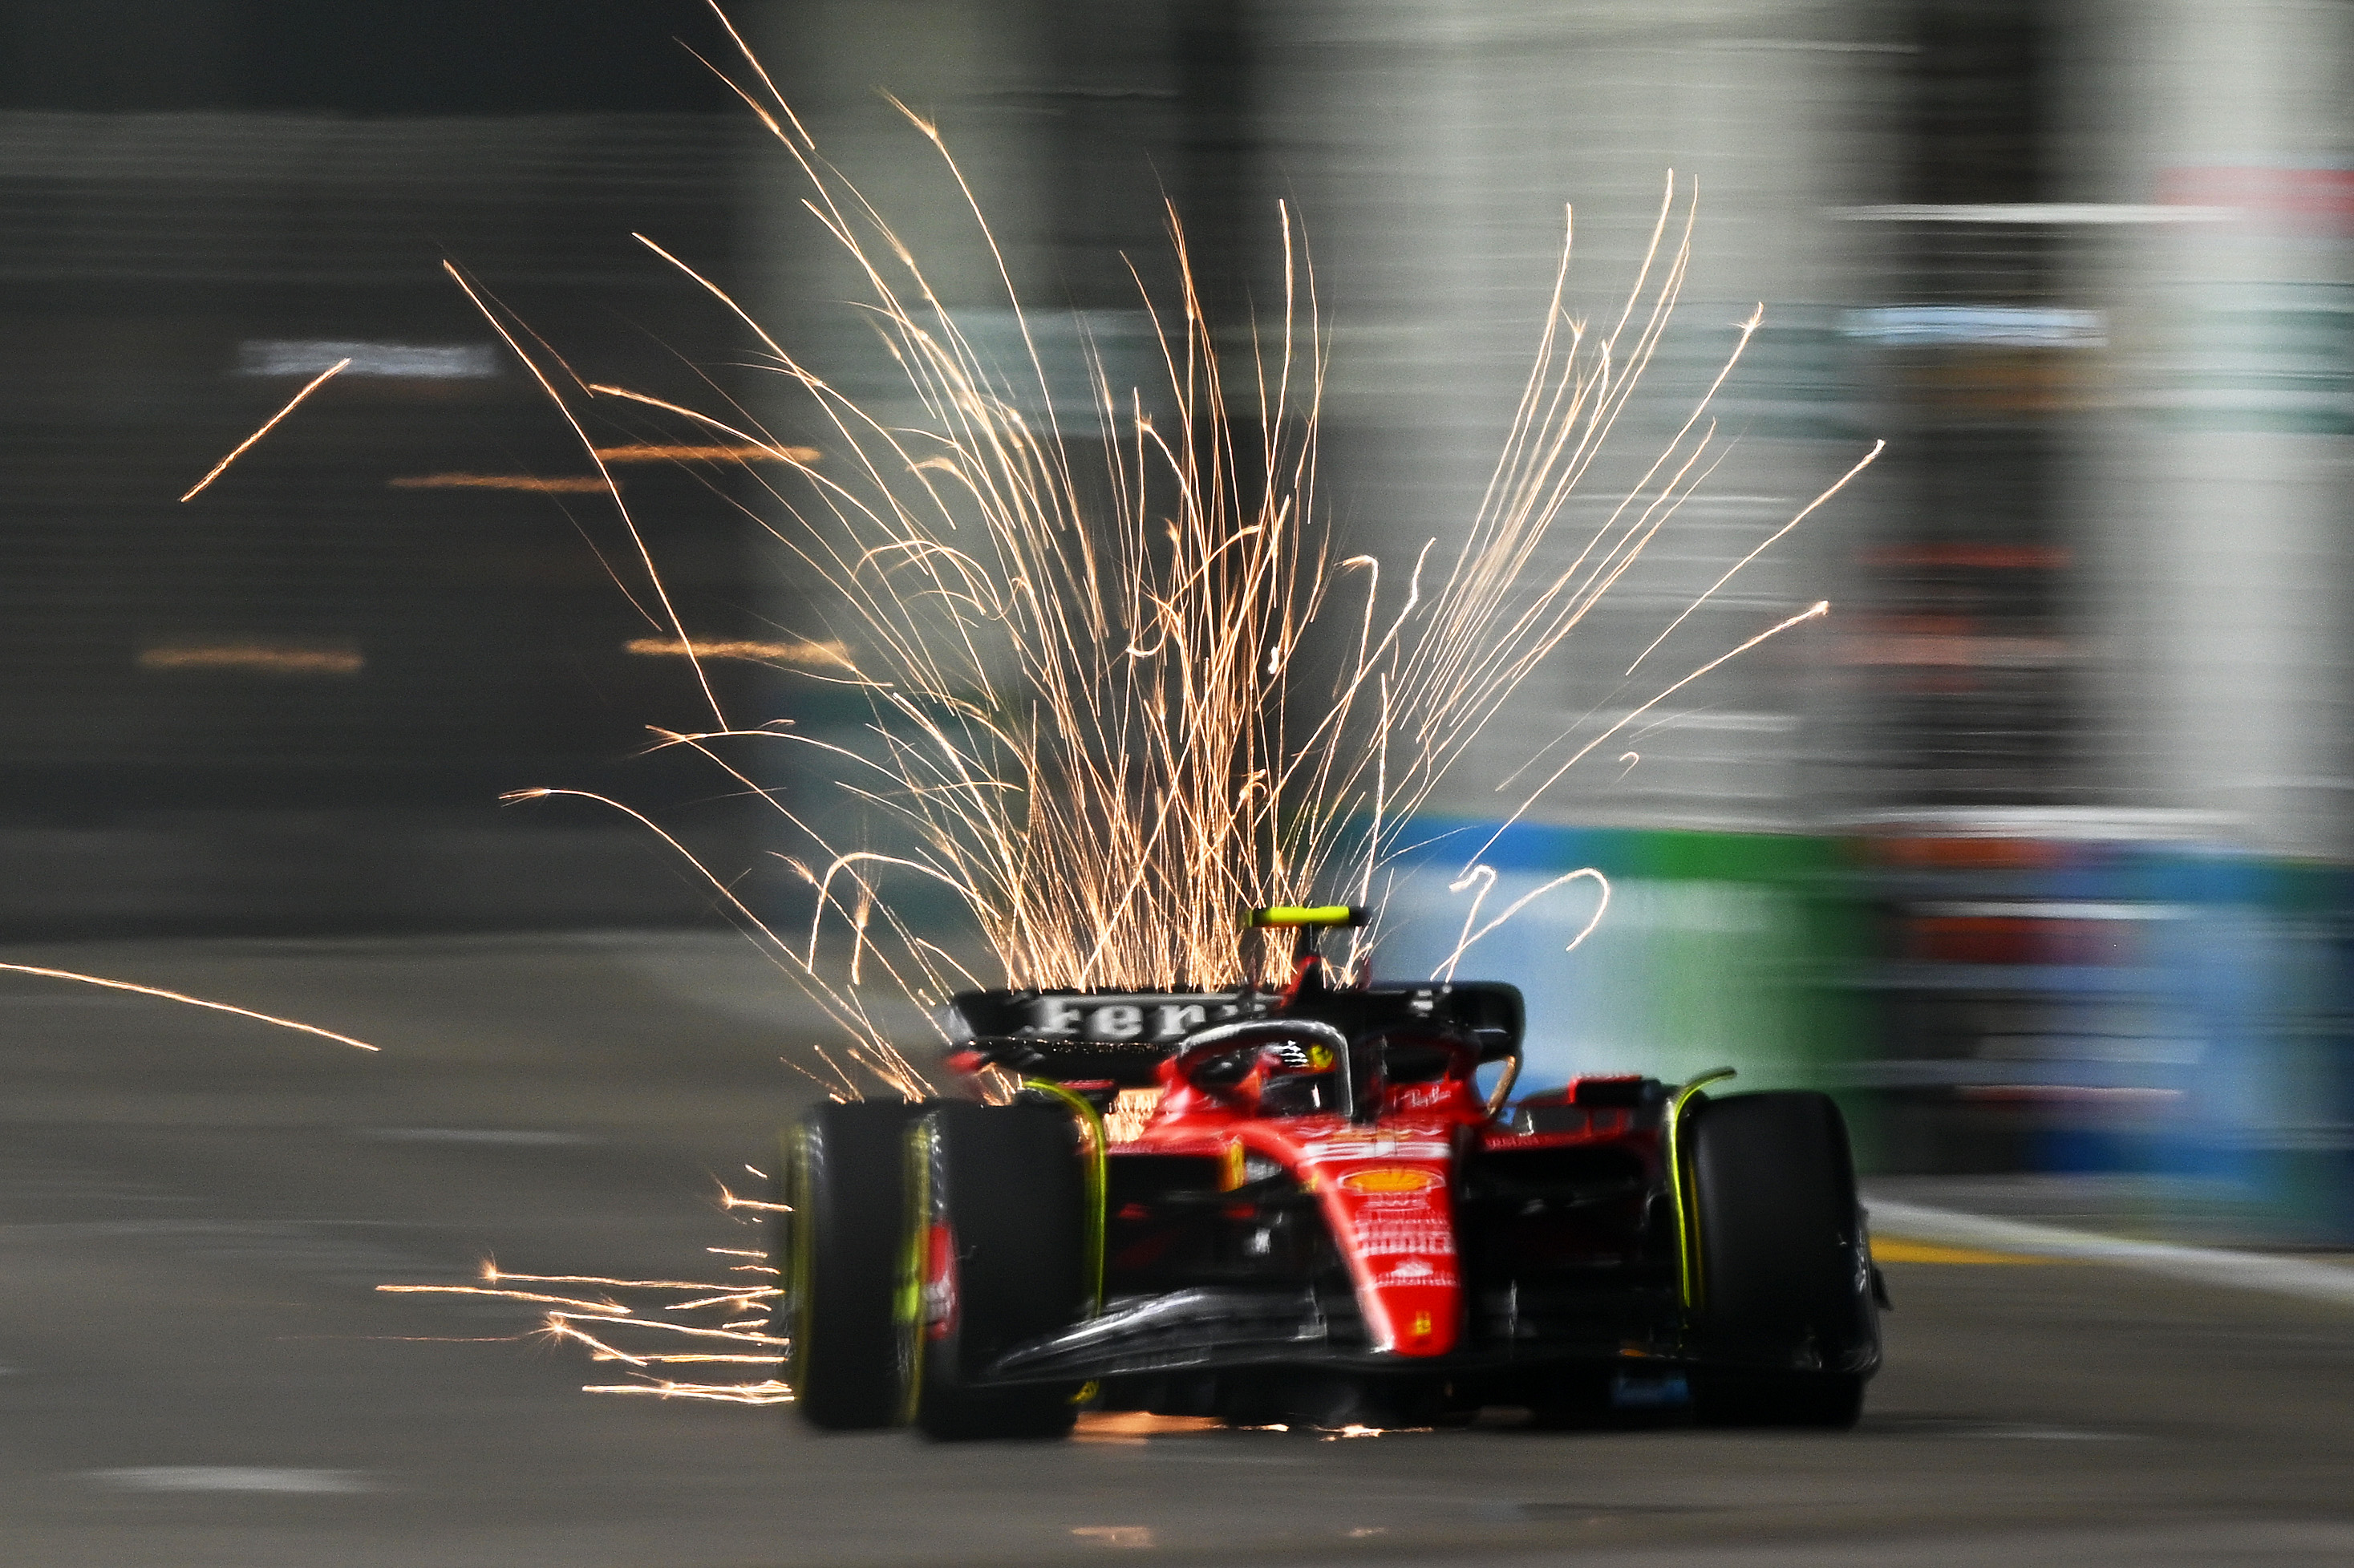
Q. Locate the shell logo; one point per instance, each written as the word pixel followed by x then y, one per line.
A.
pixel 1389 1179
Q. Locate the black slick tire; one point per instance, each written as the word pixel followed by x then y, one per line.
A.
pixel 1783 1279
pixel 994 1257
pixel 842 1176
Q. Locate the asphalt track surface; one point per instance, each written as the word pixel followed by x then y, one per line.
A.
pixel 193 1214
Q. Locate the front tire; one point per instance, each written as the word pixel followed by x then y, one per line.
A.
pixel 1784 1281
pixel 843 1178
pixel 994 1257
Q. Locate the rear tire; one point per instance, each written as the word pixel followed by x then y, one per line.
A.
pixel 1785 1275
pixel 996 1256
pixel 837 1257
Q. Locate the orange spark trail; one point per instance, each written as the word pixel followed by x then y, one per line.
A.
pixel 609 1309
pixel 728 1199
pixel 784 653
pixel 645 452
pixel 770 1392
pixel 559 1318
pixel 323 378
pixel 189 1000
pixel 492 1271
pixel 574 484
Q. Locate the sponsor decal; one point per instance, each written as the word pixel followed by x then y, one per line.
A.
pixel 1414 1271
pixel 1158 1018
pixel 1381 1237
pixel 1421 1096
pixel 1365 1146
pixel 1388 1178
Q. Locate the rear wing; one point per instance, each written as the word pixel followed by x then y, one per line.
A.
pixel 1123 1036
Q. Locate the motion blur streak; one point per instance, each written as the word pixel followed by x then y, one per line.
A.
pixel 576 484
pixel 186 1000
pixel 677 451
pixel 271 423
pixel 614 1309
pixel 820 654
pixel 254 658
pixel 492 1272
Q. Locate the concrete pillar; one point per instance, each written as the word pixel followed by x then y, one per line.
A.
pixel 2225 554
pixel 1430 149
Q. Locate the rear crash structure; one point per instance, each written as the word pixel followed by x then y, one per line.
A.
pixel 1300 1207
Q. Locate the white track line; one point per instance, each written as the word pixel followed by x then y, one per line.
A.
pixel 2208 1265
pixel 231 1479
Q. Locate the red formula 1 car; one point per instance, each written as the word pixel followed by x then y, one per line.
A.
pixel 1298 1207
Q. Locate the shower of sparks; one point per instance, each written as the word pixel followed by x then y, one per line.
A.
pixel 187 1000
pixel 569 484
pixel 1120 683
pixel 612 1320
pixel 1098 658
pixel 1092 721
pixel 242 447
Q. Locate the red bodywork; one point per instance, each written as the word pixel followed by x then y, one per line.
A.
pixel 1303 1206
pixel 1385 1187
pixel 1320 1182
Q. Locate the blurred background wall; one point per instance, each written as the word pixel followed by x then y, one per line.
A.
pixel 292 702
pixel 2033 849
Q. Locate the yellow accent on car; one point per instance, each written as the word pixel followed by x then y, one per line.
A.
pixel 1097 1179
pixel 1688 1281
pixel 1309 914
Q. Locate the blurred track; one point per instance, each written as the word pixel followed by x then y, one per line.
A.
pixel 198 1371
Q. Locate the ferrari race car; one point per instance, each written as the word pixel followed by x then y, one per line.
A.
pixel 1298 1208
